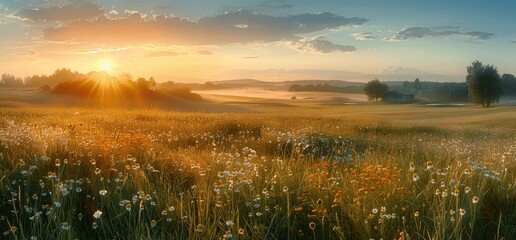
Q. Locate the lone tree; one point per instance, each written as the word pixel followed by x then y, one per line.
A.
pixel 484 84
pixel 375 89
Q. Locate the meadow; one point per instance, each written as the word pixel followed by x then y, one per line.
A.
pixel 291 171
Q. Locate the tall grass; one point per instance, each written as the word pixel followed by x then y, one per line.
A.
pixel 150 174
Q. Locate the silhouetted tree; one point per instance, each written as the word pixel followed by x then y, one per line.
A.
pixel 144 84
pixel 484 84
pixel 417 84
pixel 375 89
pixel 509 84
pixel 9 80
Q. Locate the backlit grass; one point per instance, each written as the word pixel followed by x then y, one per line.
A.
pixel 151 174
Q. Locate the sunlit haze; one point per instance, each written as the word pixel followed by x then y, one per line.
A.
pixel 198 41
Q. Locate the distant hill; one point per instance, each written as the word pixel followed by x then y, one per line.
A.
pixel 283 85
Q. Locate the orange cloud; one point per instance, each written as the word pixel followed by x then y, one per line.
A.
pixel 162 54
pixel 222 29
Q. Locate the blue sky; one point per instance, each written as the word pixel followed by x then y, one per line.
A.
pixel 269 40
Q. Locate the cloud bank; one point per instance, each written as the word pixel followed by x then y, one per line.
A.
pixel 363 36
pixel 61 13
pixel 228 28
pixel 319 44
pixel 438 32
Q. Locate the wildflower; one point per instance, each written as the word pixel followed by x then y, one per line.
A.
pixel 475 200
pixel 445 193
pixel 455 192
pixel 171 208
pixel 383 209
pixel 164 213
pixel 467 189
pixel 230 223
pixel 97 171
pixel 429 165
pixel 452 212
pixel 319 201
pixel 65 226
pixel 128 207
pixel 412 167
pixel 375 210
pixel 228 235
pixel 97 214
pixel 258 214
pixel 416 214
pixel 415 177
pixel 285 189
pixel 94 225
pixel 93 162
pixel 58 163
pixel 103 192
pixel 312 225
pixel 437 192
pixel 79 216
pixel 462 212
pixel 153 223
pixel 51 175
pixel 199 228
pixel 452 219
pixel 241 231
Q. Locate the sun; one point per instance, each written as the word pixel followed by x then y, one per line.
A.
pixel 106 66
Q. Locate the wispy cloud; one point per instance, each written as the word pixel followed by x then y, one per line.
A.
pixel 438 32
pixel 275 4
pixel 319 44
pixel 205 52
pixel 162 54
pixel 222 29
pixel 514 41
pixel 362 36
pixel 61 13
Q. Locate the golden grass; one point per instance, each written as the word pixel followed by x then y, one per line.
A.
pixel 340 172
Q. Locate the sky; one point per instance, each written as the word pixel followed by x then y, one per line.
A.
pixel 271 40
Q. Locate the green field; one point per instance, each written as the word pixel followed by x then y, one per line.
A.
pixel 284 170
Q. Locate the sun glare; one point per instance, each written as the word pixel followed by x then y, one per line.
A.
pixel 106 66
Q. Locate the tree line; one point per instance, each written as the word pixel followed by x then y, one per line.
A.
pixel 324 88
pixel 483 85
pixel 92 85
pixel 37 81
